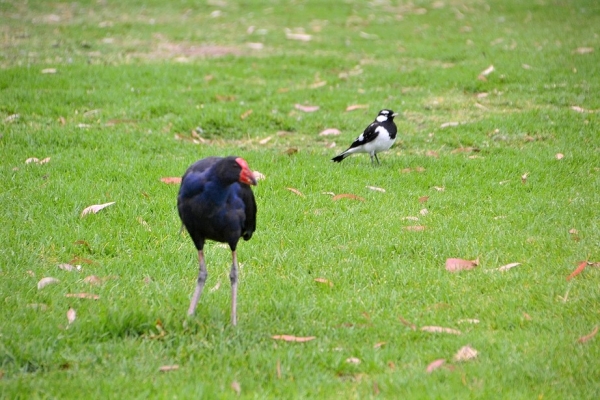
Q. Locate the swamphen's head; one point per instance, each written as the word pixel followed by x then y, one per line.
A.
pixel 235 169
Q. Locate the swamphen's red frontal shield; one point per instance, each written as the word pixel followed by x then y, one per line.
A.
pixel 215 202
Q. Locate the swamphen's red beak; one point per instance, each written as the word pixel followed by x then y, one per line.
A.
pixel 246 176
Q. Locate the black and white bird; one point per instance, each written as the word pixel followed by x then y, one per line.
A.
pixel 379 136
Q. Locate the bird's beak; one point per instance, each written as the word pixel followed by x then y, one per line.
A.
pixel 394 114
pixel 247 177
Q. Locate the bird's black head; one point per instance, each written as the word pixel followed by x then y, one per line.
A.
pixel 235 169
pixel 385 115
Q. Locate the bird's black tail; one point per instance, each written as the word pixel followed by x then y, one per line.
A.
pixel 339 158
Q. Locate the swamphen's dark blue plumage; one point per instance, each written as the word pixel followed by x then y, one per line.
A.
pixel 215 202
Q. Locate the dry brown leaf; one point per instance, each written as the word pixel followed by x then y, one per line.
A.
pixel 465 353
pixel 378 345
pixel 448 124
pixel 579 109
pixel 440 329
pixel 439 188
pixel 95 208
pixel 423 199
pixel 168 368
pixel 376 189
pixel 324 281
pixel 71 315
pixel 258 176
pixel 357 107
pixel 468 321
pixel 415 228
pixel 265 140
pixel 83 296
pixel 303 37
pixel 559 156
pixel 67 267
pixel 317 84
pixel 527 316
pixel 291 338
pixel 246 114
pixel 524 177
pixel 307 109
pixel 49 71
pixel 435 365
pixel 487 71
pixel 352 360
pixel 92 280
pixel 235 385
pixel 330 132
pixel 458 264
pixel 431 153
pixel 583 50
pixel 291 151
pixel 578 270
pixel 506 267
pixel 347 196
pixel 589 336
pixel 171 180
pixel 407 323
pixel 295 191
pixel 46 281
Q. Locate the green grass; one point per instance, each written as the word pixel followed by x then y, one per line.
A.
pixel 133 81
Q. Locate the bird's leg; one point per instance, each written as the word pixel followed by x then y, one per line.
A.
pixel 233 275
pixel 377 158
pixel 199 284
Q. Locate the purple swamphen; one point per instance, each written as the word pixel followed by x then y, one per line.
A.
pixel 215 202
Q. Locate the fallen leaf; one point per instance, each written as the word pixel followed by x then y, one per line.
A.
pixel 579 109
pixel 376 189
pixel 465 353
pixel 95 208
pixel 12 117
pixel 306 109
pixel 440 329
pixel 578 270
pixel 464 150
pixel 278 369
pixel 573 231
pixel 357 107
pixel 317 84
pixel 44 160
pixel 378 345
pixel 524 177
pixel 407 323
pixel 67 267
pixel 423 199
pixel 439 188
pixel 295 191
pixel 235 385
pixel 325 281
pixel 352 360
pixel 46 281
pixel 415 228
pixel 71 315
pixel 507 266
pixel 32 159
pixel 589 336
pixel 168 368
pixel 347 196
pixel 171 180
pixel 527 316
pixel 92 280
pixel 291 150
pixel 83 296
pixel 435 365
pixel 330 132
pixel 468 321
pixel 303 37
pixel 265 140
pixel 431 153
pixel 290 338
pixel 559 156
pixel 246 114
pixel 49 71
pixel 458 264
pixel 258 176
pixel 487 71
pixel 447 124
pixel 584 50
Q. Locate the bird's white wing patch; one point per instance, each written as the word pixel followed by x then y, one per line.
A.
pixel 382 118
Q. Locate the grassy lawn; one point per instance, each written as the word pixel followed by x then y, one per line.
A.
pixel 498 165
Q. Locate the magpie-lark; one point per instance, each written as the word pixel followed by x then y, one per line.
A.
pixel 377 137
